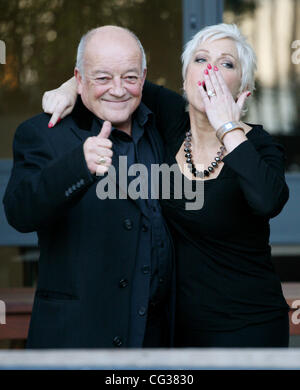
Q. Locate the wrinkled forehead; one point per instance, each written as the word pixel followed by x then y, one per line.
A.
pixel 113 53
pixel 218 47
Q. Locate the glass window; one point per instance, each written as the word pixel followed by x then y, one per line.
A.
pixel 272 29
pixel 38 42
pixel 41 38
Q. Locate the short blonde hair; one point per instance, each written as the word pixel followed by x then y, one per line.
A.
pixel 246 54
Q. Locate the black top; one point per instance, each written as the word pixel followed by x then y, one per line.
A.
pixel 225 277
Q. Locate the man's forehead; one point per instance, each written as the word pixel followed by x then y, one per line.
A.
pixel 114 63
pixel 113 59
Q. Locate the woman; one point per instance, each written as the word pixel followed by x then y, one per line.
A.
pixel 228 294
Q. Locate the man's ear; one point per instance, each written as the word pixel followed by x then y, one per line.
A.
pixel 78 78
pixel 144 76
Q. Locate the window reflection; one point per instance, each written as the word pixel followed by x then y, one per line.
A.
pixel 271 27
pixel 41 38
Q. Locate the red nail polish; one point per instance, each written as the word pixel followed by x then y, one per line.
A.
pixel 203 83
pixel 199 83
pixel 209 66
pixel 248 94
pixel 58 120
pixel 50 125
pixel 216 68
pixel 206 71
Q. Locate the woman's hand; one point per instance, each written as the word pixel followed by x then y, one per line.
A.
pixel 221 107
pixel 60 102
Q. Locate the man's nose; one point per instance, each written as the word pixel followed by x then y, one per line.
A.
pixel 117 88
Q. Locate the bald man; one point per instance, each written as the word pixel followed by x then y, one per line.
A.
pixel 106 263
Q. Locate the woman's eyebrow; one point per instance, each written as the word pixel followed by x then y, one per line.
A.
pixel 228 54
pixel 222 54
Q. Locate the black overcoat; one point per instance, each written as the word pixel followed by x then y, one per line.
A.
pixel 87 245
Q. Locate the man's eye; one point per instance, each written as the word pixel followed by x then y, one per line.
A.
pixel 102 79
pixel 131 78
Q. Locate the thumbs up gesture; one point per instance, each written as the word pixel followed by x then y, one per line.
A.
pixel 97 151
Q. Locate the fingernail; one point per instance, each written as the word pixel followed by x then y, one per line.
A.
pixel 209 66
pixel 206 71
pixel 216 68
pixel 199 83
pixel 203 83
pixel 248 94
pixel 58 120
pixel 50 125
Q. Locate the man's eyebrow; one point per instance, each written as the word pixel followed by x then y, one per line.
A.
pixel 132 70
pixel 99 71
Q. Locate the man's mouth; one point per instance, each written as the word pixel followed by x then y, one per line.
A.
pixel 116 101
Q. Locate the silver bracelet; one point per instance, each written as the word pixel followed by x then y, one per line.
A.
pixel 226 128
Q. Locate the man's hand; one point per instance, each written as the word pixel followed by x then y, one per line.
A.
pixel 97 151
pixel 60 101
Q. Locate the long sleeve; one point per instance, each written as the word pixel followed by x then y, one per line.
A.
pixel 259 164
pixel 42 185
pixel 169 109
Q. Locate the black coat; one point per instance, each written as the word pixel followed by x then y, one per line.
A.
pixel 87 246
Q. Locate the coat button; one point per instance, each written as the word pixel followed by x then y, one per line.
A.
pixel 117 341
pixel 127 224
pixel 142 311
pixel 146 269
pixel 123 283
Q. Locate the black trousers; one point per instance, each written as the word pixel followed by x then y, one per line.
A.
pixel 269 334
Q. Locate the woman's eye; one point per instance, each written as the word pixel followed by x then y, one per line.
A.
pixel 200 60
pixel 228 65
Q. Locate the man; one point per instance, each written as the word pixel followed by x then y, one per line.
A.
pixel 105 266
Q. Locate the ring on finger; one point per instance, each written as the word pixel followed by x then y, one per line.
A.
pixel 211 93
pixel 101 160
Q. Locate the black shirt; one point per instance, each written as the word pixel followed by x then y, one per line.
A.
pixel 153 265
pixel 225 277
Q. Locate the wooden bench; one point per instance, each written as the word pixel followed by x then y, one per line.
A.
pixel 19 305
pixel 291 292
pixel 18 302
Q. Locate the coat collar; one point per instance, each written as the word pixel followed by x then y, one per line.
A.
pixel 85 119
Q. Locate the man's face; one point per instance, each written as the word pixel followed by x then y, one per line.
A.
pixel 113 81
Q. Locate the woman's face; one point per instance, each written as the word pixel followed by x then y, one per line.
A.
pixel 221 53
